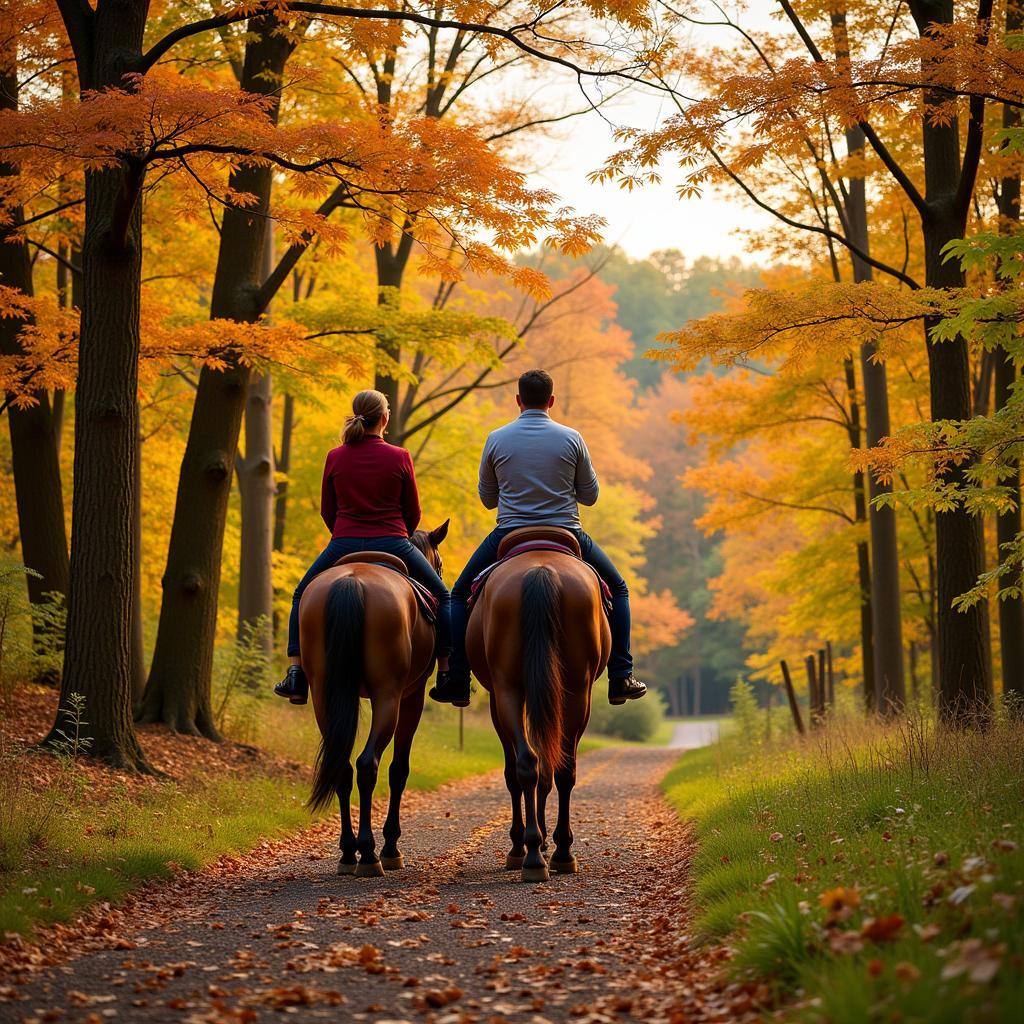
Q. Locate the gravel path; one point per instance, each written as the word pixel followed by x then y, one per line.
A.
pixel 452 938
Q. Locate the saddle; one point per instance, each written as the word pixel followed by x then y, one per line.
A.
pixel 537 538
pixel 424 598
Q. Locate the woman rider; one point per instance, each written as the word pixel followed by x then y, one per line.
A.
pixel 369 502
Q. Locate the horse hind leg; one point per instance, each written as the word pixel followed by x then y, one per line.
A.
pixel 347 842
pixel 382 728
pixel 562 860
pixel 535 867
pixel 516 833
pixel 543 792
pixel 408 720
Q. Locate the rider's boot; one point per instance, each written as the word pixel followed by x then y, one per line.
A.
pixel 627 688
pixel 448 690
pixel 294 686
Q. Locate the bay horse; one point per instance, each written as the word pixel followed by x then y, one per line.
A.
pixel 537 640
pixel 363 633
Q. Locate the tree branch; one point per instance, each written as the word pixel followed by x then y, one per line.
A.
pixel 287 263
pixel 877 145
pixel 162 46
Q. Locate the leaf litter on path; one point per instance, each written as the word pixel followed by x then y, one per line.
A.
pixel 450 940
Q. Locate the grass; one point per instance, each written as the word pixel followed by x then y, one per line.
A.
pixel 869 872
pixel 63 859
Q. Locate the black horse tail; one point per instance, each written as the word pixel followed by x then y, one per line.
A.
pixel 344 619
pixel 542 666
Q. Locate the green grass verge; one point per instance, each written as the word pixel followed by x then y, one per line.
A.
pixel 876 876
pixel 65 856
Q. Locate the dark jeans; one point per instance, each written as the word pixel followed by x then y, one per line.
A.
pixel 419 569
pixel 620 664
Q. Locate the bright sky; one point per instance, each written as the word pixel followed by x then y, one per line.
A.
pixel 655 217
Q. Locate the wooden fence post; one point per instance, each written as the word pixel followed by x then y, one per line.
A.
pixel 813 690
pixel 831 675
pixel 823 701
pixel 791 694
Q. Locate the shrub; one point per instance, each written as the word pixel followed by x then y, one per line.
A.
pixel 744 709
pixel 636 720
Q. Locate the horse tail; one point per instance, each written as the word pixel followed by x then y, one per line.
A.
pixel 344 620
pixel 542 666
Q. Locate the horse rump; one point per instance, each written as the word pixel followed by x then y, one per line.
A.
pixel 542 667
pixel 344 620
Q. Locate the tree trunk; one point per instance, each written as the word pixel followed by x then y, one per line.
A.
pixel 391 261
pixel 965 671
pixel 889 688
pixel 36 468
pixel 98 644
pixel 864 578
pixel 284 462
pixel 284 465
pixel 886 604
pixel 1008 524
pixel 256 485
pixel 178 690
pixel 138 648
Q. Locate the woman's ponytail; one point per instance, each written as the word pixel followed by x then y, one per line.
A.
pixel 368 409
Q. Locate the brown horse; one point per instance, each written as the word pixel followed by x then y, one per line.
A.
pixel 363 634
pixel 537 640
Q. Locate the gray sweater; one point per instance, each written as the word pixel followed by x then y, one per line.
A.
pixel 534 471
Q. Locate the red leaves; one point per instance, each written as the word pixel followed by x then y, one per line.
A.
pixel 882 929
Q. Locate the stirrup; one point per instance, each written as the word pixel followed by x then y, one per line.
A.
pixel 448 691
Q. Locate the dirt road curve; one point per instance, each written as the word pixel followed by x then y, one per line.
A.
pixel 452 938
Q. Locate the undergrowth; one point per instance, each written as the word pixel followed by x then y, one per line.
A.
pixel 868 872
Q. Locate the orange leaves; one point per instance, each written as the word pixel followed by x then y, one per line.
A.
pixel 658 621
pixel 48 340
pixel 814 319
pixel 882 929
pixel 840 900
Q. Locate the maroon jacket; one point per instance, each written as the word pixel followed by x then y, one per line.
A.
pixel 369 490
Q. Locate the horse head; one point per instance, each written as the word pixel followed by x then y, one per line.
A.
pixel 428 541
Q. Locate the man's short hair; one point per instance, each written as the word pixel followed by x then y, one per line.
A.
pixel 536 388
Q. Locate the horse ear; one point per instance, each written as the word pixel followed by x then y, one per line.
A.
pixel 437 535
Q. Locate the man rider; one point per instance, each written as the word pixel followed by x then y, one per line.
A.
pixel 536 472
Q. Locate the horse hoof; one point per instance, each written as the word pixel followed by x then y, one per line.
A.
pixel 395 863
pixel 344 868
pixel 564 867
pixel 514 862
pixel 540 874
pixel 369 869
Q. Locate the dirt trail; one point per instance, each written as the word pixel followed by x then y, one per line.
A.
pixel 452 938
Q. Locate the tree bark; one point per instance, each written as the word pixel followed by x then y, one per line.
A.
pixel 256 485
pixel 1008 523
pixel 965 671
pixel 137 666
pixel 864 577
pixel 284 465
pixel 107 43
pixel 36 468
pixel 889 687
pixel 178 690
pixel 391 261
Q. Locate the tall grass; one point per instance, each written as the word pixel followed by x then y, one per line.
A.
pixel 876 871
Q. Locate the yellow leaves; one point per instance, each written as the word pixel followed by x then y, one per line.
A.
pixel 792 325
